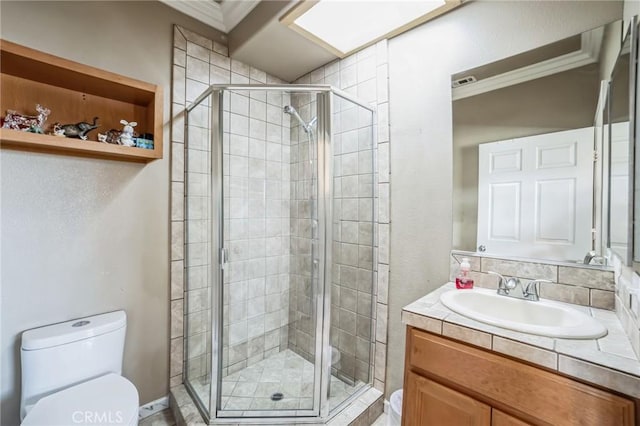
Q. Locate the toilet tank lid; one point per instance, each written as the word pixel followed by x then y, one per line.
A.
pixel 74 330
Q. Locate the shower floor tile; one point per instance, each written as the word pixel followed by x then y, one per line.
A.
pixel 286 372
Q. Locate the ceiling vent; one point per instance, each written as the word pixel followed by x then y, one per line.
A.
pixel 463 81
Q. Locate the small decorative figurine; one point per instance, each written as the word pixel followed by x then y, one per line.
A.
pixel 112 136
pixel 79 130
pixel 126 138
pixel 58 130
pixel 27 123
pixel 35 129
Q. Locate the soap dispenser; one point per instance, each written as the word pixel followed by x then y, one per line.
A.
pixel 463 280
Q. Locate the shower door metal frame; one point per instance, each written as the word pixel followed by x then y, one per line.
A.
pixel 325 225
pixel 325 99
pixel 217 265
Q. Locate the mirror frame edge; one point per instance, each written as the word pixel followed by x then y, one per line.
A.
pixel 634 154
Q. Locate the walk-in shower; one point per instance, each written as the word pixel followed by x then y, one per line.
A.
pixel 280 252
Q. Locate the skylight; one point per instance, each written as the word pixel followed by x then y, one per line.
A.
pixel 343 26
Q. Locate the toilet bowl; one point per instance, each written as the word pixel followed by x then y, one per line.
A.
pixel 110 399
pixel 71 374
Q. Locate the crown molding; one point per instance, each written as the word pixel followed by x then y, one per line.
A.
pixel 234 11
pixel 588 54
pixel 222 17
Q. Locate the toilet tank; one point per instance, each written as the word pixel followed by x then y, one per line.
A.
pixel 61 355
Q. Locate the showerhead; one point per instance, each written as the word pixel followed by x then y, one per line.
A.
pixel 312 122
pixel 288 109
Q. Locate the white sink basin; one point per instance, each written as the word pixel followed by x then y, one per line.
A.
pixel 544 317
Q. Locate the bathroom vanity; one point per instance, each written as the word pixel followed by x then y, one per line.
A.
pixel 460 371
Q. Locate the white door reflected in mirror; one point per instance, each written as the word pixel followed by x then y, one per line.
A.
pixel 535 195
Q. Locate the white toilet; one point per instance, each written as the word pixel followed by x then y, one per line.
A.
pixel 71 374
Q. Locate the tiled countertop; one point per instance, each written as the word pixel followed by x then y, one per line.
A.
pixel 609 361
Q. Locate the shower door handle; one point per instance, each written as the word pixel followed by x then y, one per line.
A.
pixel 223 257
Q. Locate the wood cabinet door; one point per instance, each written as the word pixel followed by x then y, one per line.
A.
pixel 500 418
pixel 429 403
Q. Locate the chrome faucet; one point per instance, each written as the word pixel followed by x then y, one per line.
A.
pixel 513 287
pixel 589 257
pixel 592 258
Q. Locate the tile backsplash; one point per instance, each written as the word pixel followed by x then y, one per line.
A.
pixel 627 301
pixel 587 286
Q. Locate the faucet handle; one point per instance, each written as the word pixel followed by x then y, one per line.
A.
pixel 536 288
pixel 502 278
pixel 507 283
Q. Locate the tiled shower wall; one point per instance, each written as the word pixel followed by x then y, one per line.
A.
pixel 193 55
pixel 627 301
pixel 353 240
pixel 302 329
pixel 197 249
pixel 256 162
pixel 361 211
pixel 256 169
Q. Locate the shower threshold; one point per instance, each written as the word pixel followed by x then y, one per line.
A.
pixel 248 392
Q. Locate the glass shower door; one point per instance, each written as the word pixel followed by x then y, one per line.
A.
pixel 267 329
pixel 353 262
pixel 198 259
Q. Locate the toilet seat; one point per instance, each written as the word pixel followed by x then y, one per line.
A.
pixel 107 400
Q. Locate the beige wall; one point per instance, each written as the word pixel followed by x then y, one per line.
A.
pixel 421 62
pixel 84 236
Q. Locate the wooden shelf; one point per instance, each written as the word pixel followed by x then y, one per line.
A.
pixel 76 92
pixel 14 139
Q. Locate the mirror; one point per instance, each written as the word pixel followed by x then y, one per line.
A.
pixel 619 155
pixel 525 183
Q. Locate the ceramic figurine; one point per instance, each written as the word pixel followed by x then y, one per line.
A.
pixel 126 138
pixel 26 123
pixel 112 136
pixel 79 130
pixel 102 137
pixel 58 130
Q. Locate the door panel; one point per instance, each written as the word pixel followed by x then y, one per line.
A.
pixel 506 161
pixel 430 403
pixel 499 418
pixel 504 211
pixel 555 211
